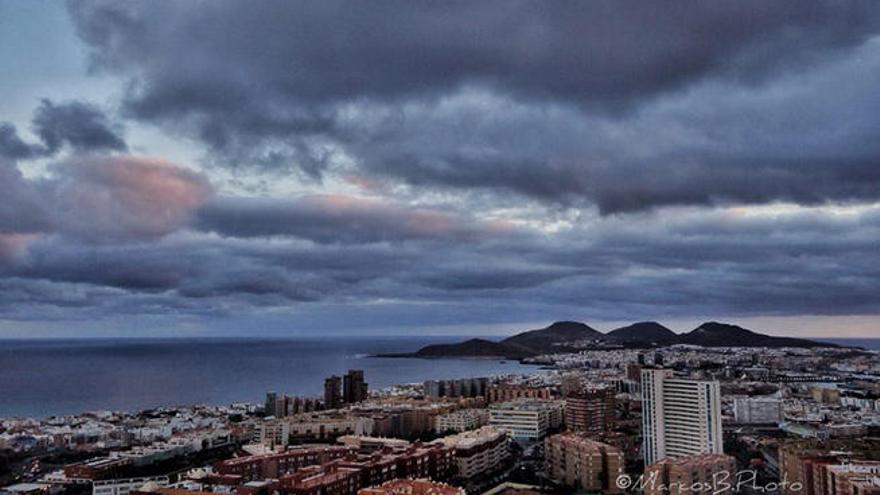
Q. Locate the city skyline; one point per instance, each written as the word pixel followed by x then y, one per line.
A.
pixel 220 169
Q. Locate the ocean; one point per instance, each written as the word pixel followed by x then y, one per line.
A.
pixel 870 344
pixel 40 378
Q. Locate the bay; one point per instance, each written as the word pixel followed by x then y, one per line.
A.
pixel 39 378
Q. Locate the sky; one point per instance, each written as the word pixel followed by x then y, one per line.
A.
pixel 226 168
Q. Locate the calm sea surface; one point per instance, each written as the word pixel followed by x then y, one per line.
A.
pixel 40 378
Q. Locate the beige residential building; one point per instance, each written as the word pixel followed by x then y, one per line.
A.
pixel 463 420
pixel 583 464
pixel 479 451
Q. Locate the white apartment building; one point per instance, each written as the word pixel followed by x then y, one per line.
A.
pixel 272 433
pixel 757 410
pixel 125 485
pixel 367 444
pixel 680 417
pixel 319 427
pixel 527 420
pixel 277 432
pixel 463 420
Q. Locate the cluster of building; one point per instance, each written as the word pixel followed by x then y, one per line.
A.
pixel 102 430
pixel 338 392
pixel 322 469
pixel 663 418
pixel 329 479
pixel 349 389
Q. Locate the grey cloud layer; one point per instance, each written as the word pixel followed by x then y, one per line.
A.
pixel 338 219
pixel 686 265
pixel 625 105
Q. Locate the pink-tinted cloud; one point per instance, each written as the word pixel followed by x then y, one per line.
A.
pixel 13 246
pixel 124 197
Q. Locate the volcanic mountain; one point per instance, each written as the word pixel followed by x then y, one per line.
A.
pixel 565 336
pixel 554 338
pixel 714 334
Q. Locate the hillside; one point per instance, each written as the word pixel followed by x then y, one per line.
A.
pixel 715 334
pixel 553 337
pixel 643 332
pixel 471 348
pixel 531 343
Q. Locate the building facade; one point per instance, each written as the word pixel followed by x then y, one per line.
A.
pixel 465 387
pixel 506 393
pixel 590 411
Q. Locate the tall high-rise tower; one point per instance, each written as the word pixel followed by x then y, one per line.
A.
pixel 271 403
pixel 354 389
pixel 333 392
pixel 680 417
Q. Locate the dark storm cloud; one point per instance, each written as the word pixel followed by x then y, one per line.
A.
pixel 810 139
pixel 596 52
pixel 82 126
pixel 626 105
pixel 22 209
pixel 12 147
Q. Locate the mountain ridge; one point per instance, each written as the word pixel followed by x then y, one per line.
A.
pixel 562 336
